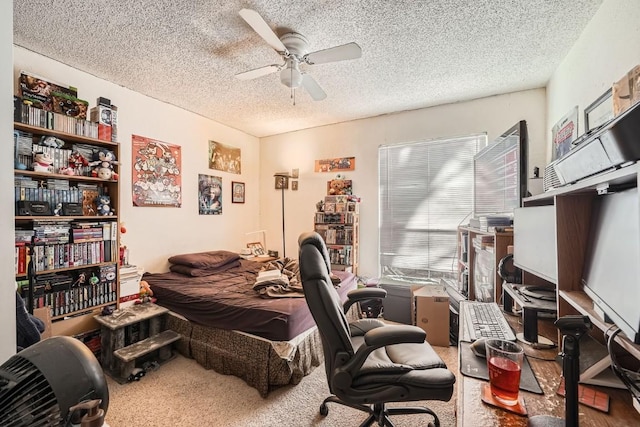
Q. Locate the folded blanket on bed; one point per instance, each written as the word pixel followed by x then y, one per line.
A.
pixel 201 272
pixel 208 260
pixel 286 284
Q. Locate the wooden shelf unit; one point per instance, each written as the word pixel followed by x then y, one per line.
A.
pixel 340 229
pixel 75 317
pixel 573 209
pixel 501 241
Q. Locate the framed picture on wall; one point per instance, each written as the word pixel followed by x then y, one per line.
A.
pixel 256 248
pixel 237 192
pixel 563 133
pixel 599 111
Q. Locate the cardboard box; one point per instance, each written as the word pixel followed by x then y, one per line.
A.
pixel 626 91
pixel 431 313
pixel 101 115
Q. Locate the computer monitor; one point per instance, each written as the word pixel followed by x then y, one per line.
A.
pixel 500 173
pixel 612 265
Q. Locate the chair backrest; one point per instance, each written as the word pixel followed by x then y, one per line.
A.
pixel 323 301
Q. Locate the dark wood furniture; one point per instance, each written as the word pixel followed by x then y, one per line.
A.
pixel 68 318
pixel 472 412
pixel 131 333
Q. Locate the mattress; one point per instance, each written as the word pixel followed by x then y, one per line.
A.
pixel 227 300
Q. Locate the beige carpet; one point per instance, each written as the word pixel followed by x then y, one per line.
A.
pixel 183 393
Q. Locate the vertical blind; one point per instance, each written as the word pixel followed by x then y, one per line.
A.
pixel 426 191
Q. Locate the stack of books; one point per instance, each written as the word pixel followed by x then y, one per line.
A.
pixel 130 276
pixel 490 222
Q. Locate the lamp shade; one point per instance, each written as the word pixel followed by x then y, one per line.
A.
pixel 290 76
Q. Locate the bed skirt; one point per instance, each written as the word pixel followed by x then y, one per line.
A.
pixel 262 364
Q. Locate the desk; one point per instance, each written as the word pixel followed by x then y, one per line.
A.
pixel 472 412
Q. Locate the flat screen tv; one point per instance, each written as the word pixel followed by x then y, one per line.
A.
pixel 611 276
pixel 500 173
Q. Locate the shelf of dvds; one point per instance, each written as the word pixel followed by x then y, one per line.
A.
pixel 66 221
pixel 338 223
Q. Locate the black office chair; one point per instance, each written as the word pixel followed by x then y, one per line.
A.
pixel 369 363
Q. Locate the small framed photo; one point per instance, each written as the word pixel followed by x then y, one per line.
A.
pixel 237 192
pixel 282 182
pixel 294 185
pixel 599 111
pixel 295 173
pixel 256 248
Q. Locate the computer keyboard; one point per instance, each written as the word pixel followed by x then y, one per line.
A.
pixel 486 320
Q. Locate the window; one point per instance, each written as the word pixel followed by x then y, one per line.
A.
pixel 426 191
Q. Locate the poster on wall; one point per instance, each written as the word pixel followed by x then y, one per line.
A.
pixel 224 158
pixel 209 195
pixel 339 164
pixel 564 132
pixel 156 179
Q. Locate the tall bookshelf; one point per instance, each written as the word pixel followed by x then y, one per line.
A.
pixel 67 250
pixel 338 223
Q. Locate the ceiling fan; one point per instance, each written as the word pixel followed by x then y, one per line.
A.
pixel 292 47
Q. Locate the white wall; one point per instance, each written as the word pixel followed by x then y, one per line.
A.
pixel 7 285
pixel 155 233
pixel 361 140
pixel 607 49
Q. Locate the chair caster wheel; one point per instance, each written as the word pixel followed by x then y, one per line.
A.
pixel 324 410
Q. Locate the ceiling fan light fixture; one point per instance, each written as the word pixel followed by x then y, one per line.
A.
pixel 290 76
pixel 293 49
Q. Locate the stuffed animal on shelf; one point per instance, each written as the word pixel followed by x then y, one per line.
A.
pixel 51 141
pixel 102 163
pixel 339 187
pixel 65 170
pixel 104 157
pixel 104 172
pixel 76 162
pixel 104 205
pixel 42 163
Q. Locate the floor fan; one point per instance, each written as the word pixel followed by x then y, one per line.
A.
pixel 55 382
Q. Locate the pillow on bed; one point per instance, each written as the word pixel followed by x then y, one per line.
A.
pixel 200 272
pixel 212 259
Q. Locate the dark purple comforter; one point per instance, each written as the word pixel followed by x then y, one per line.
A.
pixel 226 300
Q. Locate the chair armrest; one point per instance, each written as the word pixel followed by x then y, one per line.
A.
pixel 394 334
pixel 381 337
pixel 362 294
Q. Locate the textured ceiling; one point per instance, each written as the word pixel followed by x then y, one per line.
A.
pixel 415 53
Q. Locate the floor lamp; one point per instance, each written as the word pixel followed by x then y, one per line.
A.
pixel 282 179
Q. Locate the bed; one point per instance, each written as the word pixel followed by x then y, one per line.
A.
pixel 227 326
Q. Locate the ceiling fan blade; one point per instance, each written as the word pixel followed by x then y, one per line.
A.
pixel 260 26
pixel 332 54
pixel 313 88
pixel 258 72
